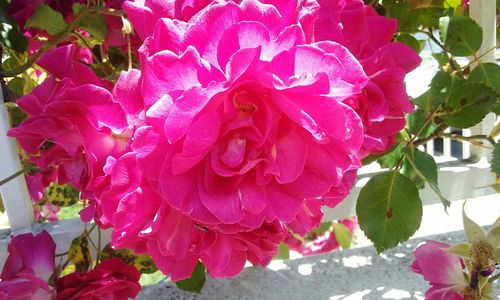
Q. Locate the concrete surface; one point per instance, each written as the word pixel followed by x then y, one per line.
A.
pixel 351 274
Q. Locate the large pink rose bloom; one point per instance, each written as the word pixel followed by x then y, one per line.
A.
pixel 383 103
pixel 25 276
pixel 244 118
pixel 140 220
pixel 443 270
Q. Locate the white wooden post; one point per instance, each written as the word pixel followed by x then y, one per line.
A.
pixel 484 13
pixel 15 194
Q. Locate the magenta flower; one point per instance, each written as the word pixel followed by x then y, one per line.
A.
pixel 73 125
pixel 111 279
pixel 141 221
pixel 245 129
pixel 145 13
pixel 383 103
pixel 25 276
pixel 443 270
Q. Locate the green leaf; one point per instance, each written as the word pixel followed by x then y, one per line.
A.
pixel 488 73
pixel 47 19
pixel 461 35
pixel 426 168
pixel 409 171
pixel 391 158
pixel 468 104
pixel 79 253
pixel 389 209
pixel 17 84
pixel 92 23
pixel 472 230
pixel 62 195
pixel 411 16
pixel 2 208
pixel 195 283
pixel 10 35
pixel 142 262
pixel 462 249
pixel 409 40
pixel 429 100
pixel 283 251
pixel 495 161
pixel 416 120
pixel 342 235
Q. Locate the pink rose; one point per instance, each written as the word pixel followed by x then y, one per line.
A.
pixel 443 270
pixel 111 279
pixel 142 221
pixel 241 123
pixel 145 13
pixel 69 62
pixel 25 276
pixel 383 103
pixel 73 124
pixel 237 132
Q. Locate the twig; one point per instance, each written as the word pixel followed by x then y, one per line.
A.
pixel 18 173
pixel 470 139
pixel 437 133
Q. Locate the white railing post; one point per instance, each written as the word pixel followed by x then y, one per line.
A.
pixel 15 196
pixel 484 13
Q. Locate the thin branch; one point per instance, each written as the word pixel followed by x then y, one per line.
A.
pixel 18 173
pixel 98 258
pixel 437 133
pixel 470 139
pixel 477 58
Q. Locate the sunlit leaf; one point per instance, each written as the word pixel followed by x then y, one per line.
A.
pixel 47 19
pixel 389 209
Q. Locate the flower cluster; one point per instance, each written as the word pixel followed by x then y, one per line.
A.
pixel 244 119
pixel 26 276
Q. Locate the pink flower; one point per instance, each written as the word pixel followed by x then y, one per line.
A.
pixel 241 129
pixel 68 62
pixel 145 13
pixel 25 276
pixel 142 221
pixel 316 244
pixel 73 124
pixel 111 279
pixel 244 130
pixel 443 270
pixel 383 103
